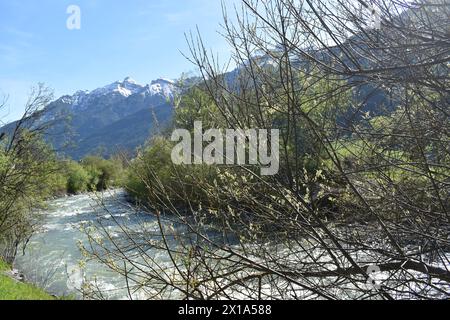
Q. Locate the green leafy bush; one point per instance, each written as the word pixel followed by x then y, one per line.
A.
pixel 78 178
pixel 152 174
pixel 93 174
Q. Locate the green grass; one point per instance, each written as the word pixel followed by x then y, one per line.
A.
pixel 13 290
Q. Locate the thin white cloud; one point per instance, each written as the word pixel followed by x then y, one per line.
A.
pixel 179 17
pixel 18 33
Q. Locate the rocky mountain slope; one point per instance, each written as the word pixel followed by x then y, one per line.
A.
pixel 118 117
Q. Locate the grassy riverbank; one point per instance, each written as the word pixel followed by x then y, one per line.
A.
pixel 11 289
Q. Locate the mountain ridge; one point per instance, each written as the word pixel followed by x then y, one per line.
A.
pixel 86 122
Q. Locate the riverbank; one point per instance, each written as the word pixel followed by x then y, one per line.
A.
pixel 52 258
pixel 13 289
pixel 52 255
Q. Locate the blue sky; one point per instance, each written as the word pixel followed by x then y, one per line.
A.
pixel 137 38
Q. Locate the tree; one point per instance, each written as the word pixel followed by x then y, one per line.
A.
pixel 78 179
pixel 364 179
pixel 28 174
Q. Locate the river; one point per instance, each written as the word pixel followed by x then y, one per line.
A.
pixel 52 257
pixel 53 261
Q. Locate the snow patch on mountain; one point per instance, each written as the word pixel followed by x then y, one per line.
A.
pixel 82 99
pixel 126 88
pixel 163 87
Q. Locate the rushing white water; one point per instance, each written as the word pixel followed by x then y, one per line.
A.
pixel 52 257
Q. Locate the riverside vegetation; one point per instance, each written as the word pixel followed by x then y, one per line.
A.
pixel 364 165
pixel 11 289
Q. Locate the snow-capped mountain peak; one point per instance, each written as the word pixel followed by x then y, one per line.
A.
pixel 117 115
pixel 84 99
pixel 164 87
pixel 126 88
pixel 130 81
